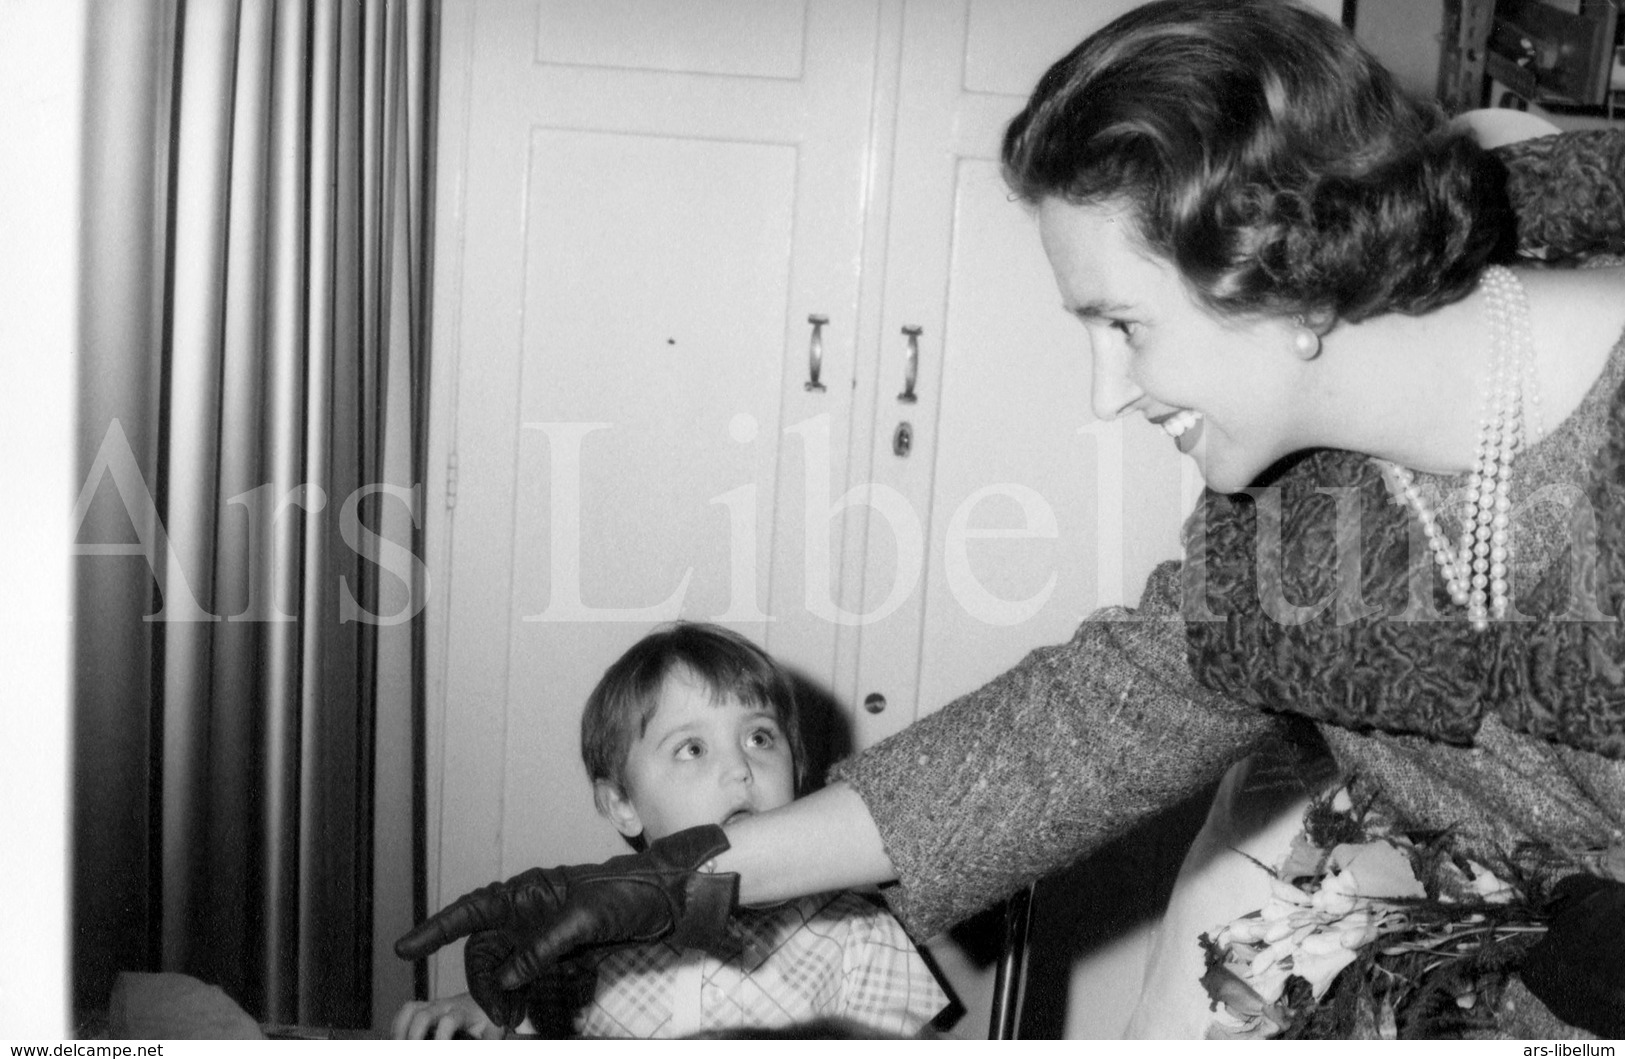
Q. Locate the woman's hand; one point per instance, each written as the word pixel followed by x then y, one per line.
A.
pixel 421 1019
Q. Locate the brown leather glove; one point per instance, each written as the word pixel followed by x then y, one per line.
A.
pixel 547 913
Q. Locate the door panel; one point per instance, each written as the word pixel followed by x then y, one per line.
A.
pixel 737 38
pixel 1021 497
pixel 1019 492
pixel 1010 43
pixel 647 387
pixel 1029 489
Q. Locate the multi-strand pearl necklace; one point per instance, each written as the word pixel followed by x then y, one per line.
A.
pixel 1477 570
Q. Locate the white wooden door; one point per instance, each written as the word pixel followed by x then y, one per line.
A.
pixel 653 197
pixel 1031 512
pixel 1019 492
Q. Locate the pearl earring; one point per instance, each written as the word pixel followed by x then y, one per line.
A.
pixel 1307 341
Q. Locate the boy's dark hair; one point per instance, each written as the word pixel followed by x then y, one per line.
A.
pixel 1269 157
pixel 619 708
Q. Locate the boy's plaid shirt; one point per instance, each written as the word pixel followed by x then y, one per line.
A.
pixel 838 955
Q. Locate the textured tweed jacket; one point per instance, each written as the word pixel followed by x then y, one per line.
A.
pixel 1143 708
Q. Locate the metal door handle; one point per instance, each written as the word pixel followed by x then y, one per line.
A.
pixel 815 354
pixel 911 365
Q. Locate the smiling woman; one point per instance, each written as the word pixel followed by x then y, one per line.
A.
pixel 1229 391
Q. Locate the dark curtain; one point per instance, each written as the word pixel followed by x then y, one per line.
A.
pixel 253 410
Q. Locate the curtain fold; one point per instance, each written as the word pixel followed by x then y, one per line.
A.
pixel 257 218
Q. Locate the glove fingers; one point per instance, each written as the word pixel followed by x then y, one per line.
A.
pixel 505 1008
pixel 476 911
pixel 548 946
pixel 483 953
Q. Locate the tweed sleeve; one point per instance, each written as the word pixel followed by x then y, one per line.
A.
pixel 1071 748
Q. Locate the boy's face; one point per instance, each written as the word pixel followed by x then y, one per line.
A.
pixel 700 761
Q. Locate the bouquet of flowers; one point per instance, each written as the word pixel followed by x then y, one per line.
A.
pixel 1370 932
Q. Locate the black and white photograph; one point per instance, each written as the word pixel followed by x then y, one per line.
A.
pixel 946 520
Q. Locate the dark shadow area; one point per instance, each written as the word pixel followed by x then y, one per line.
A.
pixel 1129 881
pixel 1097 900
pixel 826 733
pixel 1079 910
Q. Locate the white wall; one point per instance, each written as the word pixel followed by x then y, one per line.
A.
pixel 1405 35
pixel 41 73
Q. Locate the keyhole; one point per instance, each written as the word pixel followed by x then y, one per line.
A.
pixel 902 439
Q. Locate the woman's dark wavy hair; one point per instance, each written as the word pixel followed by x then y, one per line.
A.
pixel 1269 157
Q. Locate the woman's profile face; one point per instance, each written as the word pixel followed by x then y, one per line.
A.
pixel 1226 391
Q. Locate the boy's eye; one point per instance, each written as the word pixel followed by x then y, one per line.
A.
pixel 762 738
pixel 1127 327
pixel 689 749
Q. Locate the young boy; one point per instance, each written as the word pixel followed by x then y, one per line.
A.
pixel 697 725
